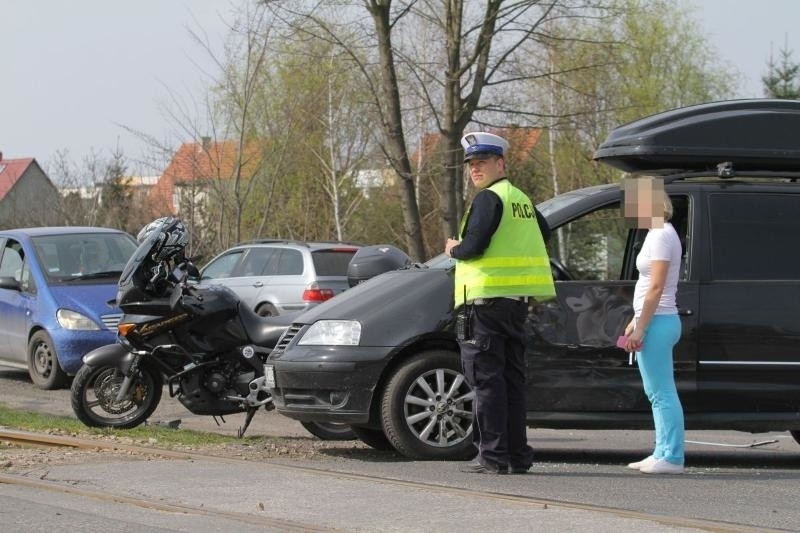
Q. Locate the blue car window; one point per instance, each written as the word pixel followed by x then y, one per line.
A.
pixel 11 262
pixel 26 282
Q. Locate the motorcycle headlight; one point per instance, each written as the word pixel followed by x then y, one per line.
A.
pixel 332 333
pixel 71 320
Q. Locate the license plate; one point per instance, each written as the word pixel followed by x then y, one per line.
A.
pixel 269 372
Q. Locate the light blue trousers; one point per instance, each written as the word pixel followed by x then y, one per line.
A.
pixel 655 366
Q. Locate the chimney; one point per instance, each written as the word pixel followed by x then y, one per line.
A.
pixel 206 143
pixel 1 156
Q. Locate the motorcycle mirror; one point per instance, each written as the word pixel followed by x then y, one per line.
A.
pixel 175 297
pixel 192 270
pixel 179 273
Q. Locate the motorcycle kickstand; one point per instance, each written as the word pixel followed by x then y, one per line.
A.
pixel 247 419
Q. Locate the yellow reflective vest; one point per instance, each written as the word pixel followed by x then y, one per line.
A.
pixel 515 263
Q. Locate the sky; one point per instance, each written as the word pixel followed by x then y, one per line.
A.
pixel 73 73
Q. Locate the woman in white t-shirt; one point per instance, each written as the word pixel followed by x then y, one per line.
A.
pixel 656 327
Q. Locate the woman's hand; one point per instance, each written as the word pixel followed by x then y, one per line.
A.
pixel 629 327
pixel 635 338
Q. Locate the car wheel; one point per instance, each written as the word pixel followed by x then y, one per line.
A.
pixel 795 435
pixel 329 430
pixel 426 409
pixel 374 438
pixel 43 365
pixel 267 310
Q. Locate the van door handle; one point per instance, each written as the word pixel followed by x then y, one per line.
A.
pixel 258 284
pixel 685 312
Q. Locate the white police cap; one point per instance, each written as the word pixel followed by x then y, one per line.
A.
pixel 481 145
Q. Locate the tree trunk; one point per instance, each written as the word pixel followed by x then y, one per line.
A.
pixel 452 186
pixel 393 129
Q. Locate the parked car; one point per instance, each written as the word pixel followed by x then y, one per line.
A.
pixel 383 357
pixel 274 277
pixel 57 287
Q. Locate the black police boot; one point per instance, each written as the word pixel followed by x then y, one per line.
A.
pixel 480 468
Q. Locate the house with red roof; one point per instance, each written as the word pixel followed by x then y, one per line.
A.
pixel 27 196
pixel 193 170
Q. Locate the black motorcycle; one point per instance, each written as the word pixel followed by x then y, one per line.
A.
pixel 200 340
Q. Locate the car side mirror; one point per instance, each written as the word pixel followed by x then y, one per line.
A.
pixel 7 282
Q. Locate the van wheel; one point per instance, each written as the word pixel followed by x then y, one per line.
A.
pixel 374 438
pixel 329 430
pixel 267 309
pixel 795 435
pixel 426 409
pixel 43 365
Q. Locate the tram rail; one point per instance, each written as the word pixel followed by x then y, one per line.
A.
pixel 36 439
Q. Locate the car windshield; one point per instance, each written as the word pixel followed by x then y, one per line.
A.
pixel 333 261
pixel 440 261
pixel 83 256
pixel 563 201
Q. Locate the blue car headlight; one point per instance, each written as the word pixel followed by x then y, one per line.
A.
pixel 332 333
pixel 72 320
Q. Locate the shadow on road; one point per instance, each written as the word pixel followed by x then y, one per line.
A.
pixel 757 459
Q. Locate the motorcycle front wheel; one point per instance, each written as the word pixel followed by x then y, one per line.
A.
pixel 94 396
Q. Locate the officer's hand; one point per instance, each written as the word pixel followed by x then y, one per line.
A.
pixel 449 245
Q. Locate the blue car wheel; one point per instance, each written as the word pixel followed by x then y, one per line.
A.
pixel 43 365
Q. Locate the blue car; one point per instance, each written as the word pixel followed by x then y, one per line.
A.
pixel 56 285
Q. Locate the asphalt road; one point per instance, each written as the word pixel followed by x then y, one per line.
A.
pixel 725 479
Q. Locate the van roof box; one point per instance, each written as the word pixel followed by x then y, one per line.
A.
pixel 754 135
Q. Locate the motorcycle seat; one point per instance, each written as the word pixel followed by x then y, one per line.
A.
pixel 264 331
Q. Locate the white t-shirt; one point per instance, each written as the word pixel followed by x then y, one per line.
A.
pixel 661 244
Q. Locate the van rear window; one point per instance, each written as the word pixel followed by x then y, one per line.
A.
pixel 332 262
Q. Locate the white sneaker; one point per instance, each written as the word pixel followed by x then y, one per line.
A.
pixel 647 461
pixel 660 466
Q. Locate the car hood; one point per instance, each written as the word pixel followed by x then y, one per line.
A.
pixel 393 306
pixel 90 300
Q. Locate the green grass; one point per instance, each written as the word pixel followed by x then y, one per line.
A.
pixel 38 422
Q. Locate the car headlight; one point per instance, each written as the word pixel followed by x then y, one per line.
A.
pixel 333 333
pixel 72 320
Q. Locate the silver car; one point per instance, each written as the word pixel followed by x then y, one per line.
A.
pixel 280 276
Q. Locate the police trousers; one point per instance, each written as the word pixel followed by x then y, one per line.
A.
pixel 493 362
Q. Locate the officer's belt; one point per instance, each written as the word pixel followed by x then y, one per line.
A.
pixel 487 301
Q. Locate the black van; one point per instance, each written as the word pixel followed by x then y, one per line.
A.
pixel 382 356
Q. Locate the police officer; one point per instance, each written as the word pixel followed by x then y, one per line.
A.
pixel 501 261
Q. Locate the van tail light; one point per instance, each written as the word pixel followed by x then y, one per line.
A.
pixel 314 294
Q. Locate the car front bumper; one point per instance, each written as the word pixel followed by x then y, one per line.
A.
pixel 72 345
pixel 327 384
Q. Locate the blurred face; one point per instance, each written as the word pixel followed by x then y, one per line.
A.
pixel 644 203
pixel 484 172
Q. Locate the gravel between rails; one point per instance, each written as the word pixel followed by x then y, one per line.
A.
pixel 30 460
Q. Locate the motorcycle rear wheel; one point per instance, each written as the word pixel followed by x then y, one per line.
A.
pixel 94 391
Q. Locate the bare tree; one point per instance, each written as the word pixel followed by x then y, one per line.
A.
pixel 344 155
pixel 477 71
pixel 357 41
